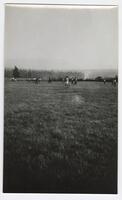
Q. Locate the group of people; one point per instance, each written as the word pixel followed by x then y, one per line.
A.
pixel 73 80
pixel 69 81
pixel 113 81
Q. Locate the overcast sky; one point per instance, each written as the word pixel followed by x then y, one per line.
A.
pixel 58 38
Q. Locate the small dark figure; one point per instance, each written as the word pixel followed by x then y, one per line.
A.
pixel 75 80
pixel 104 81
pixel 114 82
pixel 37 81
pixel 49 80
pixel 72 79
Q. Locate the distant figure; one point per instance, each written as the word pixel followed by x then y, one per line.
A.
pixel 36 80
pixel 13 79
pixel 67 81
pixel 49 80
pixel 75 80
pixel 104 81
pixel 72 80
pixel 114 82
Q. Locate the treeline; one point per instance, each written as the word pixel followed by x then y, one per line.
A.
pixel 42 74
pixel 51 75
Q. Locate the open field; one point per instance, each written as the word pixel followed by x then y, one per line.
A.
pixel 59 139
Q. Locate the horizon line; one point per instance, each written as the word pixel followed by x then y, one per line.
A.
pixel 61 70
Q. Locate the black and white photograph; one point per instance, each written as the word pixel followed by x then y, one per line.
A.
pixel 60 99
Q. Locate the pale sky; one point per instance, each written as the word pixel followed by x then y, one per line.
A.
pixel 61 38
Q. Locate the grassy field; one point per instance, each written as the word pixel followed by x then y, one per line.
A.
pixel 59 139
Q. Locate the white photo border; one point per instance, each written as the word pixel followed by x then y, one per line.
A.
pixel 29 196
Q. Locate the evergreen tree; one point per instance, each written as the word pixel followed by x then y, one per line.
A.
pixel 16 72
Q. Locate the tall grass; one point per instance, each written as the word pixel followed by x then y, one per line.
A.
pixel 59 139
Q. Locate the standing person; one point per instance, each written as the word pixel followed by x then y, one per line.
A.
pixel 67 81
pixel 37 80
pixel 49 80
pixel 114 82
pixel 75 80
pixel 72 80
pixel 104 81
